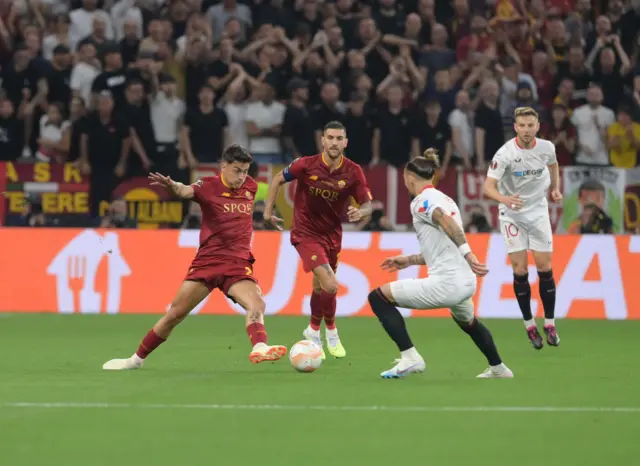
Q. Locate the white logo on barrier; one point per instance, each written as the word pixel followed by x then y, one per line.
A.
pixel 608 289
pixel 76 266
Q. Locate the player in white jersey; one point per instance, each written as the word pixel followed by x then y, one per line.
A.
pixel 518 178
pixel 452 274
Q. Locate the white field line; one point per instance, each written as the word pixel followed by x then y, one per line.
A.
pixel 275 407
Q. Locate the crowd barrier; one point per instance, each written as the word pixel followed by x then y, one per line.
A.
pixel 138 271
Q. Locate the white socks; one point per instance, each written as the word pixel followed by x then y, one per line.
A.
pixel 313 332
pixel 258 346
pixel 547 323
pixel 137 359
pixel 411 354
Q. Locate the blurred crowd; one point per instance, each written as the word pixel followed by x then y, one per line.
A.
pixel 123 87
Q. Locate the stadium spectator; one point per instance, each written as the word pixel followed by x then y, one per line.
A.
pixel 117 216
pixel 11 140
pixel 489 133
pixel 105 143
pixel 264 119
pixel 562 133
pixel 623 140
pixel 591 121
pixel 393 130
pixel 298 126
pixel 359 124
pixel 462 136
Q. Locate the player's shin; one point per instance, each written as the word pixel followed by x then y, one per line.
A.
pixel 255 327
pixel 329 303
pixel 482 338
pixel 548 296
pixel 522 290
pixel 316 310
pixel 149 343
pixel 392 321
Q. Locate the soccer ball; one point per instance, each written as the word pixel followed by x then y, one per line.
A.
pixel 305 356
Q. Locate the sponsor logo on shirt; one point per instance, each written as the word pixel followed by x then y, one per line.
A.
pixel 327 194
pixel 535 172
pixel 494 164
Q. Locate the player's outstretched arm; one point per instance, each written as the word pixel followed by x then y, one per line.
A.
pixel 453 231
pixel 173 187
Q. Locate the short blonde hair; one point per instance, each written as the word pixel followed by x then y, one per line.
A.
pixel 525 111
pixel 431 155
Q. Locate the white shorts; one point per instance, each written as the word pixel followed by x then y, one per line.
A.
pixel 436 293
pixel 530 232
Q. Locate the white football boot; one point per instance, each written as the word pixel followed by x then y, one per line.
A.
pixel 403 367
pixel 134 362
pixel 314 337
pixel 496 372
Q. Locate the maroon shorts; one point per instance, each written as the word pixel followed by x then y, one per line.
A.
pixel 222 274
pixel 315 254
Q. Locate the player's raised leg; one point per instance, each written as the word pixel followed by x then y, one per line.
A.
pixel 383 306
pixel 522 289
pixel 248 295
pixel 463 315
pixel 190 294
pixel 547 286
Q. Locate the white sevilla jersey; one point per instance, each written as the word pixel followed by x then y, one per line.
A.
pixel 524 172
pixel 440 253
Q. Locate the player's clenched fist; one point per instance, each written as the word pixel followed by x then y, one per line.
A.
pixel 556 195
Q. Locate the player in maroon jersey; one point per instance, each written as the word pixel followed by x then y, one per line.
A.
pixel 223 261
pixel 327 184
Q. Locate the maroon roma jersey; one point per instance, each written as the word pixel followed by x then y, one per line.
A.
pixel 322 198
pixel 227 219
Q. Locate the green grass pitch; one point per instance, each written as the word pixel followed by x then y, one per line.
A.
pixel 199 401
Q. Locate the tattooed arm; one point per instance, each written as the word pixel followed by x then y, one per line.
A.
pixel 450 227
pixel 416 259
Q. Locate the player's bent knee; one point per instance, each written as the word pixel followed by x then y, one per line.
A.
pixel 330 286
pixel 379 301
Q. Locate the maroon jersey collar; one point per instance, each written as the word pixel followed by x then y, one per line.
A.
pixel 324 161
